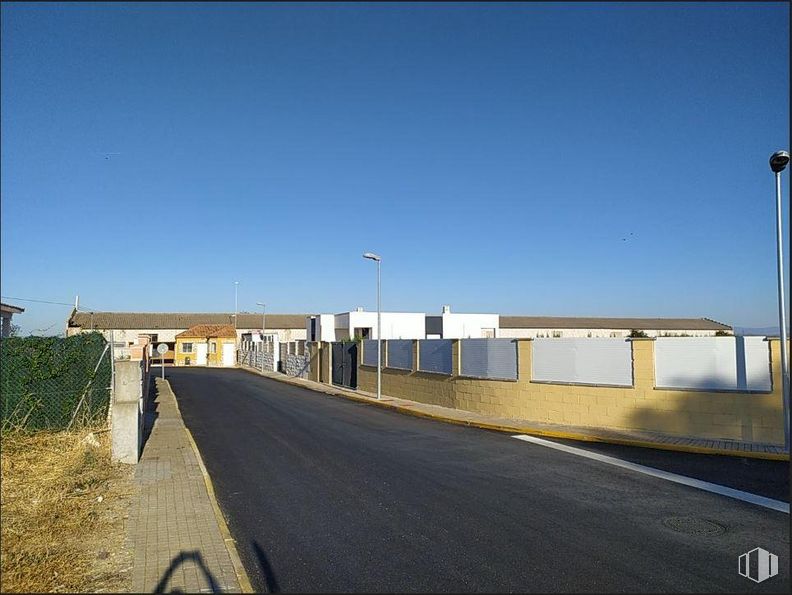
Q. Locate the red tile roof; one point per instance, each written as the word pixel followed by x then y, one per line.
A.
pixel 208 331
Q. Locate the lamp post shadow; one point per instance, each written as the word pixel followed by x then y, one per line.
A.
pixel 176 562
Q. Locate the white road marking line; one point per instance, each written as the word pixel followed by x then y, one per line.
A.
pixel 688 481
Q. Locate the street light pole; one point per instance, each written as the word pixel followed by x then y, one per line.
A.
pixel 372 256
pixel 778 162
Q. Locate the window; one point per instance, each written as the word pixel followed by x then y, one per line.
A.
pixel 187 347
pixel 213 347
pixel 557 334
pixel 186 361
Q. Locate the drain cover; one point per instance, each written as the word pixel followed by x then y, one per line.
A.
pixel 693 526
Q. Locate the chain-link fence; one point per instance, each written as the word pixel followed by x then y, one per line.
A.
pixel 50 383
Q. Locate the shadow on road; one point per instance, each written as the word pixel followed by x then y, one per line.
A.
pixel 176 561
pixel 266 569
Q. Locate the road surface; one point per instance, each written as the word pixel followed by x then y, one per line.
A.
pixel 325 494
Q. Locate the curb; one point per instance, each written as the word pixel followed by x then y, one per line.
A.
pixel 242 577
pixel 522 430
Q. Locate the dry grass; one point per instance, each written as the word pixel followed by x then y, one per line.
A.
pixel 63 506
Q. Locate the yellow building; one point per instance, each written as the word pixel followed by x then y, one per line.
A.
pixel 206 345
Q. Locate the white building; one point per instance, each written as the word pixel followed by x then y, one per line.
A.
pixel 568 326
pixel 359 323
pixel 400 325
pixel 452 325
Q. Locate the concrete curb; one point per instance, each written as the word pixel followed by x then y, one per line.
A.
pixel 531 431
pixel 242 577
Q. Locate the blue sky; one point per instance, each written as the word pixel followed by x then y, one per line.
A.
pixel 495 155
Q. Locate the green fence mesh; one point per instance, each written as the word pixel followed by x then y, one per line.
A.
pixel 54 383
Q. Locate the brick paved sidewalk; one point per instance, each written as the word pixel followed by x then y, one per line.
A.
pixel 173 533
pixel 614 436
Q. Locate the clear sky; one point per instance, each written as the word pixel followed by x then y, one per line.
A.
pixel 565 159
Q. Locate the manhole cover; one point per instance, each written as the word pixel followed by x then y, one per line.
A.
pixel 693 526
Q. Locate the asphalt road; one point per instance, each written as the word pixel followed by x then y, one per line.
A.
pixel 764 478
pixel 325 494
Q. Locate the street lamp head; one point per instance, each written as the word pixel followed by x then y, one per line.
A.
pixel 261 304
pixel 371 256
pixel 778 161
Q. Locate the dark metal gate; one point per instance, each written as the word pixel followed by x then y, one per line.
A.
pixel 345 364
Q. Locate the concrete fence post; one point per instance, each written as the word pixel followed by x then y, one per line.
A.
pixel 643 363
pixel 126 420
pixel 524 354
pixel 327 362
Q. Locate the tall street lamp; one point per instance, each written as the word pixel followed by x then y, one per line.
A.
pixel 372 256
pixel 778 162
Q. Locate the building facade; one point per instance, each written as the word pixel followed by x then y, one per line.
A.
pixel 533 327
pixel 206 345
pixel 452 325
pixel 124 328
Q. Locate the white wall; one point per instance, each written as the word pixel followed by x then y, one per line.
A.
pixel 582 361
pixel 713 363
pixel 284 334
pixel 325 327
pixel 131 335
pixel 395 325
pixel 469 326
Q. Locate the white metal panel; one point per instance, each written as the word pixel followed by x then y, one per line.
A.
pixel 435 355
pixel 582 361
pixel 489 358
pixel 400 354
pixel 757 364
pixel 714 363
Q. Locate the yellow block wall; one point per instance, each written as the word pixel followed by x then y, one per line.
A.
pixel 704 414
pixel 178 358
pixel 216 359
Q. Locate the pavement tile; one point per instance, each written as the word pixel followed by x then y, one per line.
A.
pixel 172 523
